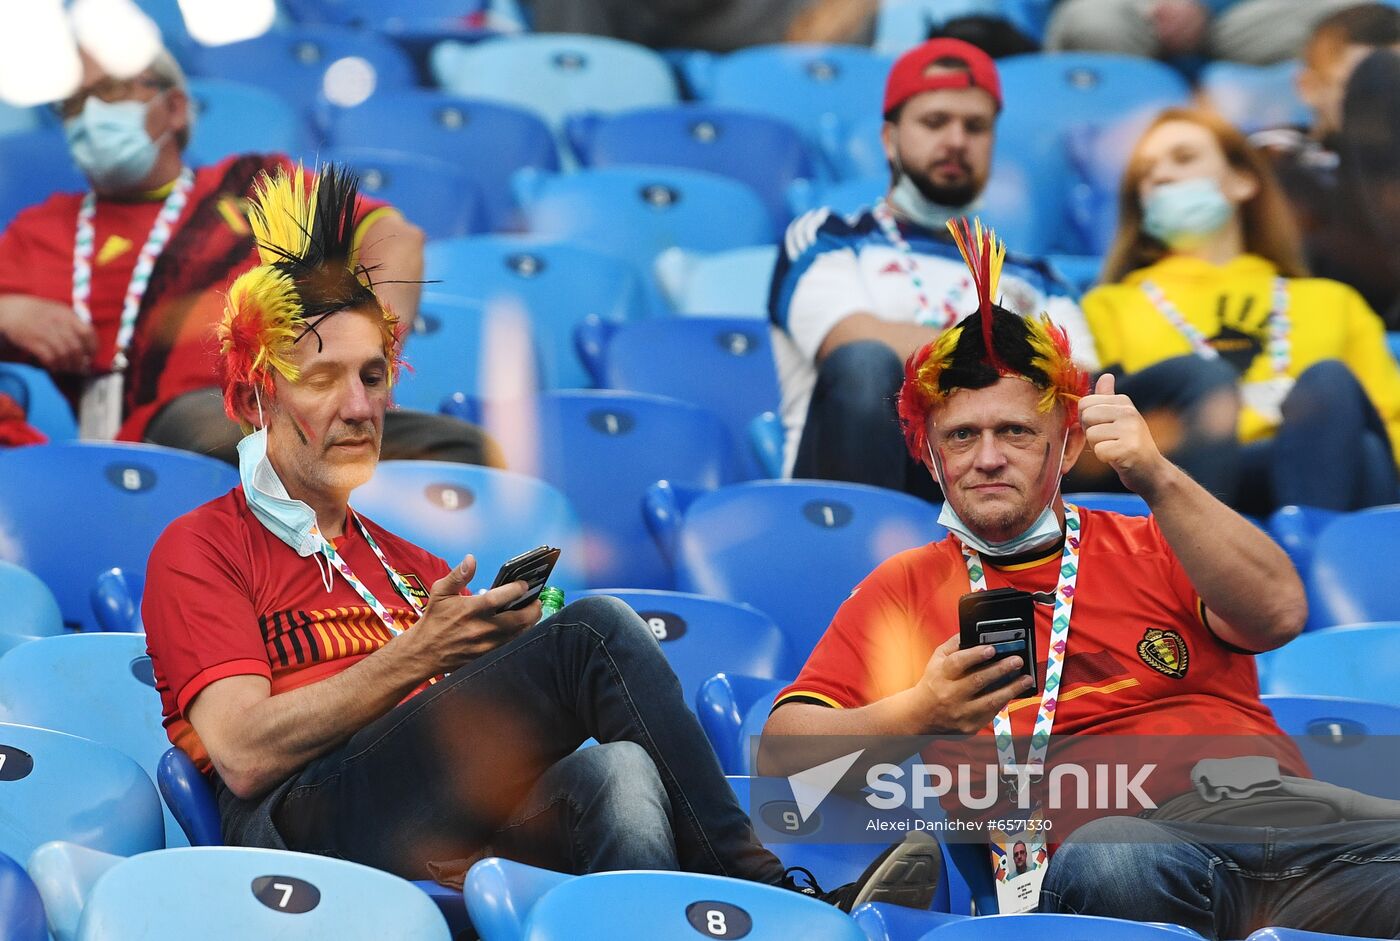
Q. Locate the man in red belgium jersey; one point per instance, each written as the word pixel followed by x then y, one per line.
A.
pixel 116 293
pixel 1163 613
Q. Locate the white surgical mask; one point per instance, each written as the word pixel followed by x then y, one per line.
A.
pixel 919 209
pixel 1186 211
pixel 109 143
pixel 1045 531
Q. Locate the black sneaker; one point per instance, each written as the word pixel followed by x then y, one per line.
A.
pixel 906 874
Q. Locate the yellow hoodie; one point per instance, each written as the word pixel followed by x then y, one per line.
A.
pixel 1329 321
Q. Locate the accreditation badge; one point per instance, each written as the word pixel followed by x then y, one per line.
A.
pixel 100 408
pixel 1266 397
pixel 1019 860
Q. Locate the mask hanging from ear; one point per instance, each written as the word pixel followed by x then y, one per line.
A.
pixel 910 202
pixel 1044 532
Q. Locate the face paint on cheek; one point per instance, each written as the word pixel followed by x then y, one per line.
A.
pixel 302 429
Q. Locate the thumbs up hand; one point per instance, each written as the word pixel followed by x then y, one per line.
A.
pixel 1119 437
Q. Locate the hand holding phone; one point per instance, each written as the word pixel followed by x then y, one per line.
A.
pixel 532 568
pixel 1005 619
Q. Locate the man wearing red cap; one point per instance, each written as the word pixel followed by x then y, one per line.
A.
pixel 853 297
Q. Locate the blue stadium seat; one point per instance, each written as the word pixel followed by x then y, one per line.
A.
pixel 903 24
pixel 1055 928
pixel 1355 567
pixel 714 139
pixel 394 19
pixel 61 787
pixel 719 363
pixel 820 89
pixel 555 286
pixel 702 636
pixel 1345 741
pixel 308 64
pixel 17 120
pixel 1296 934
pixel 884 922
pixel 1128 504
pixel 30 609
pixel 21 909
pixel 490 141
pixel 237 118
pixel 455 509
pixel 453 347
pixel 440 198
pixel 118 496
pixel 509 901
pixel 234 892
pixel 1255 97
pixel 730 283
pixel 556 75
pixel 99 686
pixel 32 167
pixel 603 450
pixel 635 213
pixel 44 406
pixel 1296 529
pixel 793 549
pixel 1081 272
pixel 1359 660
pixel 732 709
pixel 116 600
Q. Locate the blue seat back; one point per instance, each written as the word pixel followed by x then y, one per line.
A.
pixel 718 363
pixel 237 118
pixel 882 921
pixel 439 197
pixel 1296 529
pixel 701 637
pixel 71 511
pixel 1362 659
pixel 556 75
pixel 21 908
pixel 489 140
pixel 33 166
pixel 603 450
pixel 60 787
pixel 796 549
pixel 455 509
pixel 454 347
pixel 1347 742
pixel 235 892
pixel 732 709
pixel 701 137
pixel 1127 504
pixel 1355 568
pixel 44 406
pixel 734 282
pixel 30 609
pixel 1055 928
pixel 99 686
pixel 116 600
pixel 1256 97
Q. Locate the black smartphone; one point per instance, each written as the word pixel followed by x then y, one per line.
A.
pixel 1004 618
pixel 532 568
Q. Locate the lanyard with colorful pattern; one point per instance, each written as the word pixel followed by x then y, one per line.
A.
pixel 401 586
pixel 1055 657
pixel 83 248
pixel 885 217
pixel 1279 349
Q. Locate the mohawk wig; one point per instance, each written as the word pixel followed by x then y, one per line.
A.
pixel 989 344
pixel 305 237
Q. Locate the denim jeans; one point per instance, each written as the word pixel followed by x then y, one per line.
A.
pixel 486 762
pixel 1227 882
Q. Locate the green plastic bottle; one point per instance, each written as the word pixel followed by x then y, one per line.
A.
pixel 551 601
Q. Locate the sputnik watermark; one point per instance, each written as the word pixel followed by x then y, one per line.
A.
pixel 1117 788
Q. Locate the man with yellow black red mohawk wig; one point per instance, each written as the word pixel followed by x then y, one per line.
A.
pixel 360 702
pixel 1143 624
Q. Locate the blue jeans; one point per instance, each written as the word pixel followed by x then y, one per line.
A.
pixel 1227 882
pixel 486 762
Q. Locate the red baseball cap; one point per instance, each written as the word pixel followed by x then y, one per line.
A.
pixel 910 74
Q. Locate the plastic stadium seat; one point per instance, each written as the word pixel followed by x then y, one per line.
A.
pixel 119 497
pixel 234 892
pixel 1295 934
pixel 731 283
pixel 903 24
pixel 309 64
pixel 99 686
pixel 1255 97
pixel 509 901
pixel 732 709
pixel 1355 564
pixel 603 450
pixel 455 509
pixel 554 286
pixel 556 75
pixel 438 197
pixel 21 909
pixel 884 922
pixel 17 120
pixel 374 15
pixel 44 406
pixel 1128 504
pixel 1360 660
pixel 236 118
pixel 794 549
pixel 60 787
pixel 723 364
pixel 490 141
pixel 1345 741
pixel 116 600
pixel 1296 528
pixel 817 88
pixel 30 609
pixel 701 636
pixel 1055 928
pixel 721 140
pixel 635 213
pixel 454 347
pixel 33 166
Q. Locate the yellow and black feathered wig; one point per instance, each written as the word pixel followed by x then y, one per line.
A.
pixel 305 229
pixel 985 346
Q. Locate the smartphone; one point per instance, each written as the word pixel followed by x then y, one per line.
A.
pixel 532 568
pixel 1004 618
